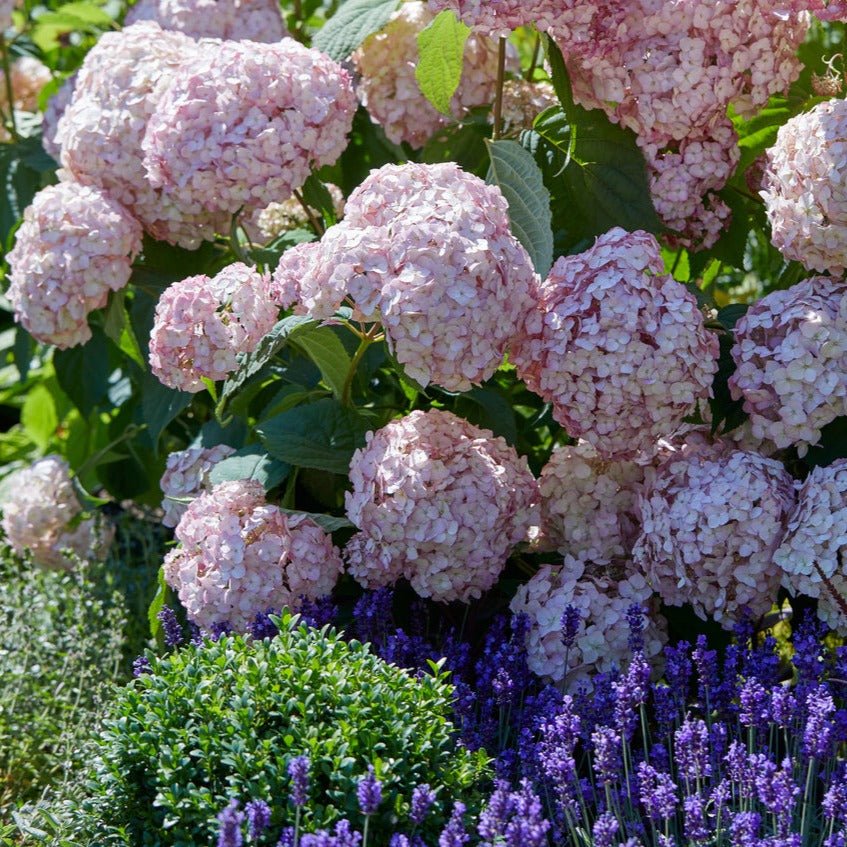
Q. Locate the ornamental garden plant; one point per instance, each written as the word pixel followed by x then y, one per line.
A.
pixel 438 409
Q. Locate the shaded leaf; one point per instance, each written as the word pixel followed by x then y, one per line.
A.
pixel 253 463
pixel 354 21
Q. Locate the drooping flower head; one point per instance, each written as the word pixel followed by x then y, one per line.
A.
pixel 426 249
pixel 712 518
pixel 75 246
pixel 602 593
pixel 186 475
pixel 117 91
pixel 41 514
pixel 440 502
pixel 235 20
pixel 239 556
pixel 243 125
pixel 619 348
pixel 791 362
pixel 202 325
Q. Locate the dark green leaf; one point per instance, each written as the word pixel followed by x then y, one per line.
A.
pixel 83 372
pixel 354 21
pixel 324 348
pixel 321 435
pixel 492 411
pixel 329 523
pixel 160 405
pixel 462 143
pixel 317 196
pixel 253 463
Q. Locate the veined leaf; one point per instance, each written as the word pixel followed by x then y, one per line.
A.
pixel 441 53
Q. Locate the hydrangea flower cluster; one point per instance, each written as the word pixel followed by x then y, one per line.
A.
pixel 588 503
pixel 790 353
pixel 243 125
pixel 712 518
pixel 42 514
pixel 27 77
pixel 601 593
pixel 117 91
pixel 426 249
pixel 51 138
pixel 812 552
pixel 187 476
pixel 439 501
pixel 251 20
pixel 75 245
pixel 803 188
pixel 523 101
pixel 277 218
pixel 619 348
pixel 202 325
pixel 239 557
pixel 388 89
pixel 6 8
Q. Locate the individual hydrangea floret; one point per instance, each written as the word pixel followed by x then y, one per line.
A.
pixel 240 556
pixel 440 502
pixel 75 245
pixel 619 348
pixel 27 77
pixel 243 125
pixel 389 90
pixel 427 250
pixel 601 592
pixel 186 476
pixel 41 513
pixel 811 552
pixel 588 503
pixel 790 353
pixel 804 188
pixel 712 518
pixel 202 325
pixel 252 20
pixel 117 91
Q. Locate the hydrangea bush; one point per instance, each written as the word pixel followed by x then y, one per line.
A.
pixel 530 309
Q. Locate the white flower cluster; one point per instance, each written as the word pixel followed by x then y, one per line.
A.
pixel 42 514
pixel 426 249
pixel 791 356
pixel 389 90
pixel 804 188
pixel 588 503
pixel 619 348
pixel 186 476
pixel 711 519
pixel 602 593
pixel 251 20
pixel 277 218
pixel 239 557
pixel 439 501
pixel 75 245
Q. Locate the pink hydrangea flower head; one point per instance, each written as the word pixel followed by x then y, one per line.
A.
pixel 117 91
pixel 601 592
pixel 440 502
pixel 804 188
pixel 239 556
pixel 244 124
pixel 790 353
pixel 500 17
pixel 51 125
pixel 711 521
pixel 202 325
pixel 388 89
pixel 250 20
pixel 427 250
pixel 27 77
pixel 619 348
pixel 39 516
pixel 75 245
pixel 186 476
pixel 6 9
pixel 588 503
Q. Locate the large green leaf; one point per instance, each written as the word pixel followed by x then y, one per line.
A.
pixel 441 53
pixel 514 171
pixel 328 523
pixel 354 21
pixel 83 372
pixel 321 435
pixel 39 417
pixel 324 348
pixel 253 463
pixel 160 405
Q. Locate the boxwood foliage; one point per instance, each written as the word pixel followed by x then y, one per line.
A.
pixel 222 720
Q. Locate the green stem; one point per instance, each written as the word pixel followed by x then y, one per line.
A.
pixel 10 95
pixel 366 340
pixel 536 53
pixel 317 225
pixel 498 100
pixel 91 461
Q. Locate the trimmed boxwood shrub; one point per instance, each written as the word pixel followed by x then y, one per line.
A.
pixel 222 720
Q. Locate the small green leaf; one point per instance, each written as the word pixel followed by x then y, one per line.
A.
pixel 328 523
pixel 157 605
pixel 515 173
pixel 321 435
pixel 324 348
pixel 441 53
pixel 316 196
pixel 253 463
pixel 117 326
pixel 39 417
pixel 354 21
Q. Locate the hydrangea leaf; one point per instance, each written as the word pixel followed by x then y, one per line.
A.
pixel 324 348
pixel 252 462
pixel 514 171
pixel 354 21
pixel 441 52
